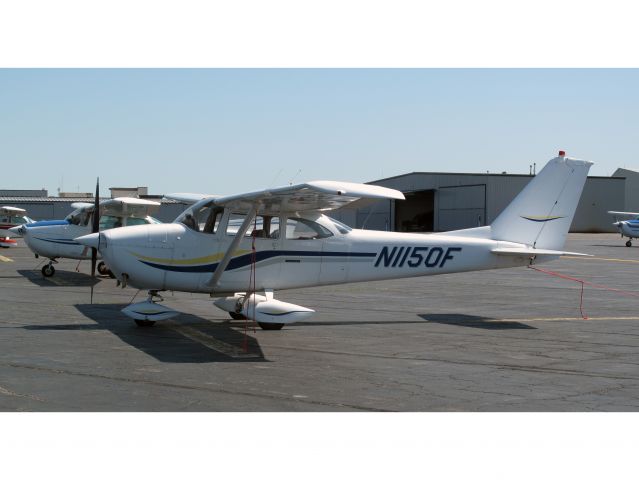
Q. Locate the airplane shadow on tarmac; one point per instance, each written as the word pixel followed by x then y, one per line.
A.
pixel 62 278
pixel 474 321
pixel 184 339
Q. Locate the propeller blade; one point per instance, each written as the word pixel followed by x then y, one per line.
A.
pixel 95 227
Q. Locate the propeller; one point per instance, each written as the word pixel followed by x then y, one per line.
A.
pixel 95 228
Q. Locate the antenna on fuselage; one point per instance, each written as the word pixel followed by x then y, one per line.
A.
pixel 290 182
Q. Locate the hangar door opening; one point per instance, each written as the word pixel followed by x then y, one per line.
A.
pixel 461 207
pixel 416 213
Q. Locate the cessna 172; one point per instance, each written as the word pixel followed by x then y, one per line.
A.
pixel 53 239
pixel 9 218
pixel 232 247
pixel 627 228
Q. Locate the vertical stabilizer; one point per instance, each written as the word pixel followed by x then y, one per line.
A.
pixel 541 214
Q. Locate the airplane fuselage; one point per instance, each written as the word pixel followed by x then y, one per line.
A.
pixel 629 228
pixel 55 239
pixel 175 257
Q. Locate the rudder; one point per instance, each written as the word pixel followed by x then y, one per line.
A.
pixel 541 214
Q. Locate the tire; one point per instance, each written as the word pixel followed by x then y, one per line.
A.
pixel 628 243
pixel 48 270
pixel 102 269
pixel 270 326
pixel 145 323
pixel 237 316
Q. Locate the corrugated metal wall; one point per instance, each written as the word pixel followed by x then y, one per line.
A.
pixel 466 200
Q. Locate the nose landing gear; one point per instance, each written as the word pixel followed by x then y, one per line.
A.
pixel 48 270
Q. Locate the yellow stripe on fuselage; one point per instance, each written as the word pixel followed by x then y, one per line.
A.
pixel 188 261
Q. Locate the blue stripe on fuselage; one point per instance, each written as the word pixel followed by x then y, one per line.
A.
pixel 244 260
pixel 63 241
pixel 46 223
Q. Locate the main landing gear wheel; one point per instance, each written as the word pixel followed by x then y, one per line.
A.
pixel 145 323
pixel 103 269
pixel 628 243
pixel 237 316
pixel 48 270
pixel 270 326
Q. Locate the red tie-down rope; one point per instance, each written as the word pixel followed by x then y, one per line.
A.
pixel 584 282
pixel 252 287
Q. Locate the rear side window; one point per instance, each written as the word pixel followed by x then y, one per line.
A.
pixel 303 229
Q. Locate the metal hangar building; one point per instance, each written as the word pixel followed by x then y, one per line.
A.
pixel 437 202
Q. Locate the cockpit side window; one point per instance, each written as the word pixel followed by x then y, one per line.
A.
pixel 136 221
pixel 79 218
pixel 109 221
pixel 263 226
pixel 205 218
pixel 213 220
pixel 304 229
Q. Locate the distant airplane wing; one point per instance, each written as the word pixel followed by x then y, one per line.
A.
pixel 188 198
pixel 624 214
pixel 81 205
pixel 135 207
pixel 12 211
pixel 316 195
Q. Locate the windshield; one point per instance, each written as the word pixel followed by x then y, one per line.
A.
pixel 342 227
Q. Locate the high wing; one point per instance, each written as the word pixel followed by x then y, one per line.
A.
pixel 12 211
pixel 317 195
pixel 137 207
pixel 188 198
pixel 624 214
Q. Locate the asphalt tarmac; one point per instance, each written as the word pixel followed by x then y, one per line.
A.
pixel 501 340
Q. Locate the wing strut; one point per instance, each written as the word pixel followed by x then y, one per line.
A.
pixel 215 279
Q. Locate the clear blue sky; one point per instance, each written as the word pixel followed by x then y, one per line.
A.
pixel 225 131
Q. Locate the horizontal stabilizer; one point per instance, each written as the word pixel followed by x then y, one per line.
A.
pixel 535 252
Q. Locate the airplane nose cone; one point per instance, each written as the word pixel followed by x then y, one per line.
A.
pixel 17 230
pixel 92 240
pixel 617 224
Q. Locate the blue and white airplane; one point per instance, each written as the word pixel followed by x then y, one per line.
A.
pixel 233 247
pixel 627 228
pixel 54 239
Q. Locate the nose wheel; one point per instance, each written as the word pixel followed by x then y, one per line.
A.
pixel 628 243
pixel 48 270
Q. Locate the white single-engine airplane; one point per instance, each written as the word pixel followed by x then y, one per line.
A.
pixel 232 247
pixel 627 228
pixel 9 218
pixel 54 239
